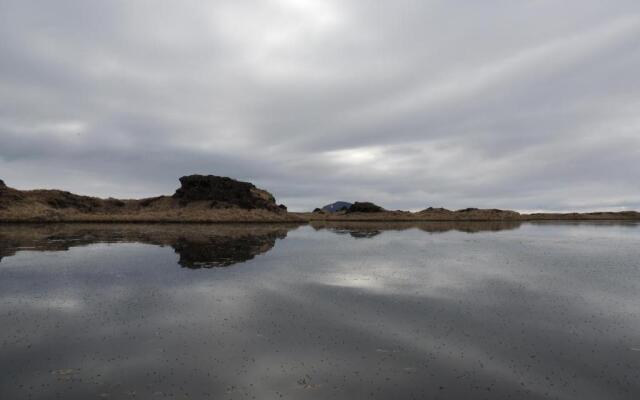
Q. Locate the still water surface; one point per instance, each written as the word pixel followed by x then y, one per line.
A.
pixel 338 311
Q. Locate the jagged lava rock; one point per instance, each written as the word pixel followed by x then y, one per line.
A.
pixel 223 192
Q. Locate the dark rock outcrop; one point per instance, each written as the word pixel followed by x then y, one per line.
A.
pixel 223 192
pixel 2 185
pixel 364 207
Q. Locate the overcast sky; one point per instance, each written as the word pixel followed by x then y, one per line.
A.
pixel 528 105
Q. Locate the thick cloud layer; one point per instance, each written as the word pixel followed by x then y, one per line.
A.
pixel 523 105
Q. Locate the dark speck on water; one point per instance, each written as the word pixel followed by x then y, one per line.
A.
pixel 327 311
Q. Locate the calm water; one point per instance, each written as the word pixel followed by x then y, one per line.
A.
pixel 442 311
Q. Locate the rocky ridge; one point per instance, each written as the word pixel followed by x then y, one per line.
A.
pixel 200 198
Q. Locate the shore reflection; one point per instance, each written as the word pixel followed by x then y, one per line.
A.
pixel 364 229
pixel 541 312
pixel 198 246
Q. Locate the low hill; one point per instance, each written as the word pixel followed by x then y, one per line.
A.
pixel 337 206
pixel 589 216
pixel 466 214
pixel 200 198
pixel 366 211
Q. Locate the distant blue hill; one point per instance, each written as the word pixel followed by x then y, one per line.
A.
pixel 337 206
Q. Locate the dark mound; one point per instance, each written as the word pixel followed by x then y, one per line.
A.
pixel 364 207
pixel 2 185
pixel 435 210
pixel 60 200
pixel 223 192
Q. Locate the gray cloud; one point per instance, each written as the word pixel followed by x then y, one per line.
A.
pixel 525 105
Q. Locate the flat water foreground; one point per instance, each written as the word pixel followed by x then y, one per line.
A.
pixel 332 311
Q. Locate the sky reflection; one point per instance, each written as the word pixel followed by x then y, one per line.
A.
pixel 542 311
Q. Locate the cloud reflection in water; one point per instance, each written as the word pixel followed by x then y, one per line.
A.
pixel 543 311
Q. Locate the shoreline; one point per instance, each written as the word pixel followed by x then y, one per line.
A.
pixel 210 199
pixel 299 222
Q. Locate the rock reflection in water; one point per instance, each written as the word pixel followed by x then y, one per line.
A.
pixel 198 246
pixel 223 251
pixel 547 311
pixel 364 229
